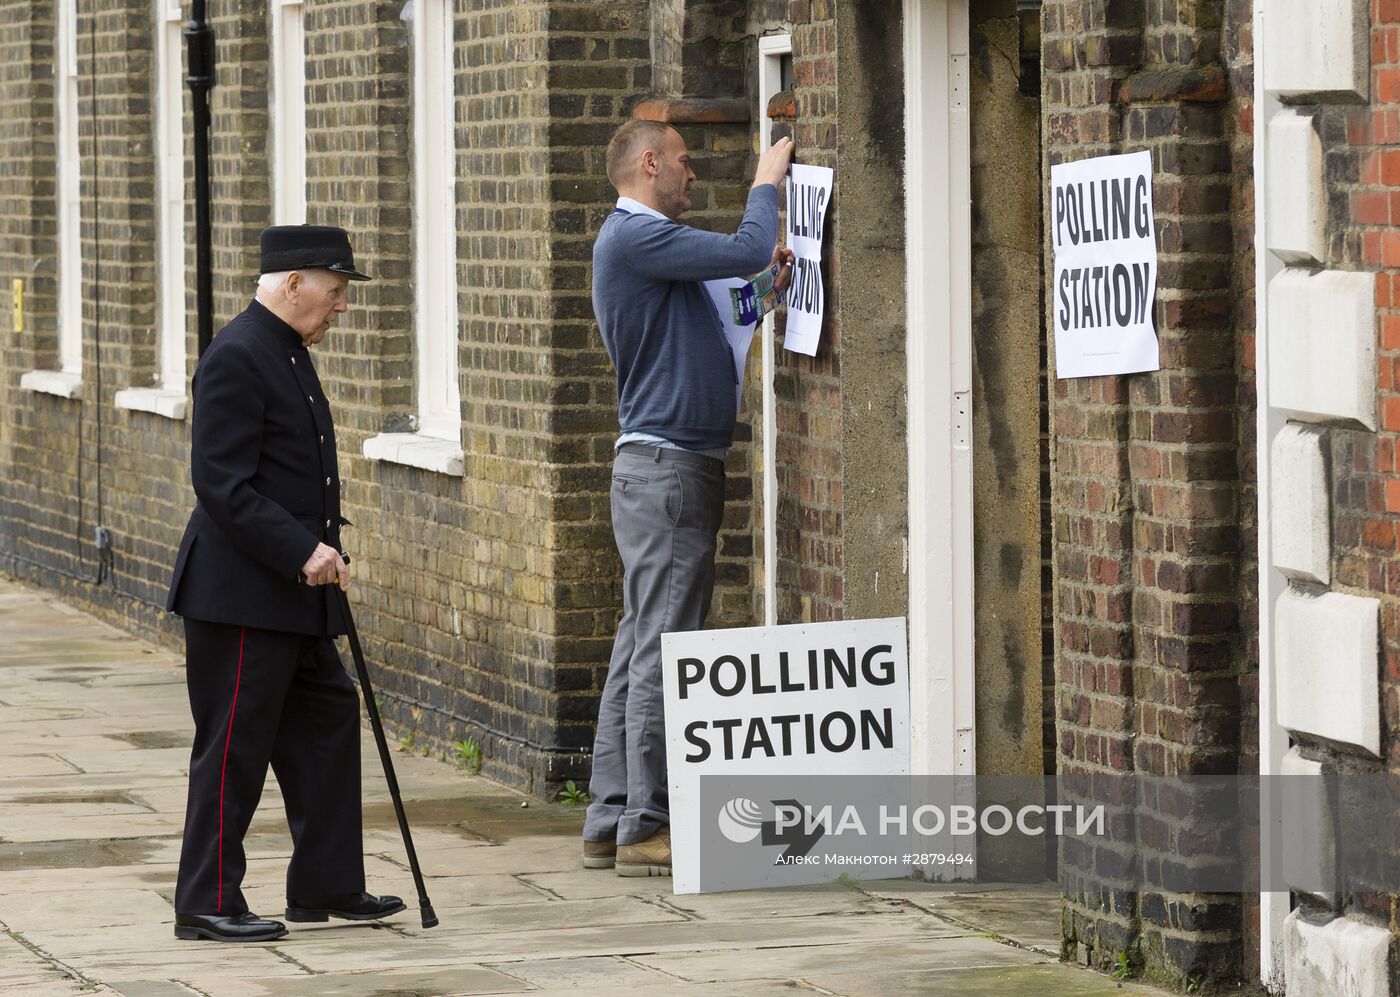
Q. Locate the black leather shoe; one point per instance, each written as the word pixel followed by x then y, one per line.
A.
pixel 245 927
pixel 351 906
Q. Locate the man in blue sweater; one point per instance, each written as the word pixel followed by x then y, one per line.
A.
pixel 676 381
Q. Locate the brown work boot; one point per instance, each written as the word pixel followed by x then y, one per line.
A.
pixel 599 854
pixel 651 857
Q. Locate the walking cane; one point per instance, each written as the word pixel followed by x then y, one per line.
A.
pixel 425 906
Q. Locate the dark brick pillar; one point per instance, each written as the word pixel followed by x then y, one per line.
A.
pixel 1146 489
pixel 810 398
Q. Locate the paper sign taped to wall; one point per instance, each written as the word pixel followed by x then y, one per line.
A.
pixel 1105 243
pixel 809 194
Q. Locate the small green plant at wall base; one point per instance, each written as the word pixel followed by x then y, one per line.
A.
pixel 469 754
pixel 572 796
pixel 1124 971
pixel 1193 985
pixel 407 741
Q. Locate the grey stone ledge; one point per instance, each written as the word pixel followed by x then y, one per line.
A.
pixel 158 401
pixel 417 450
pixel 63 383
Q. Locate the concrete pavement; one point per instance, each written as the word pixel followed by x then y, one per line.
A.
pixel 94 737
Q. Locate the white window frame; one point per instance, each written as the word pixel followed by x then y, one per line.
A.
pixel 435 223
pixel 167 397
pixel 287 110
pixel 437 444
pixel 771 49
pixel 66 380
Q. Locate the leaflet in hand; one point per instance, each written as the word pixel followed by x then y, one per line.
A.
pixel 755 299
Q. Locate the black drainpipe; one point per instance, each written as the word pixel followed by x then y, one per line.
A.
pixel 1028 12
pixel 199 39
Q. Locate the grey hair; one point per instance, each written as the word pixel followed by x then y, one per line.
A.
pixel 273 282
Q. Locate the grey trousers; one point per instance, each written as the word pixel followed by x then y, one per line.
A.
pixel 666 512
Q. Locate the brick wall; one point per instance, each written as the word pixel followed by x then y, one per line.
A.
pixel 810 582
pixel 240 192
pixel 119 293
pixel 1362 168
pixel 1146 481
pixel 28 255
pixel 75 464
pixel 723 165
pixel 488 600
pixel 713 56
pixel 709 51
pixel 704 53
pixel 494 594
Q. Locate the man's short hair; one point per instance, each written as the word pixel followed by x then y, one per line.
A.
pixel 628 142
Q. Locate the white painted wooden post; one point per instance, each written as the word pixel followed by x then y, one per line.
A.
pixel 939 347
pixel 771 49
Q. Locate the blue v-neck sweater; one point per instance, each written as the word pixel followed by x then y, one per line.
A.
pixel 675 372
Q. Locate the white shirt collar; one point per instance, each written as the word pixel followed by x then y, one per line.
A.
pixel 636 207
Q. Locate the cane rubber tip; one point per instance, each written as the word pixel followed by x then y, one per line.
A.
pixel 429 918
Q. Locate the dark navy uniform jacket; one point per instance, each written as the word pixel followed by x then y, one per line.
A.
pixel 263 464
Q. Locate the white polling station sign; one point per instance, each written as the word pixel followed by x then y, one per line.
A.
pixel 808 195
pixel 1105 266
pixel 801 700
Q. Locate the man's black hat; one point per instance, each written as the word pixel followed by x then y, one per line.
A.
pixel 307 247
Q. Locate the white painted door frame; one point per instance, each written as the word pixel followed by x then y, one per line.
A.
pixel 938 216
pixel 1273 739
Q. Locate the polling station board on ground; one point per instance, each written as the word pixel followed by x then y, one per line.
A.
pixel 1104 235
pixel 800 700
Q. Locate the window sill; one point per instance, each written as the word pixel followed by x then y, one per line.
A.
pixel 158 401
pixel 416 450
pixel 63 383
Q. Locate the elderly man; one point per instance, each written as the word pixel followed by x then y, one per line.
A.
pixel 676 381
pixel 265 681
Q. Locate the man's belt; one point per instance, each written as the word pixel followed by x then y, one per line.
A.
pixel 666 453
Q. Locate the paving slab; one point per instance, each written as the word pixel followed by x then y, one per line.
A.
pixel 95 730
pixel 1004 912
pixel 836 956
pixel 488 889
pixel 979 981
pixel 574 974
pixel 464 979
pixel 77 909
pixel 584 939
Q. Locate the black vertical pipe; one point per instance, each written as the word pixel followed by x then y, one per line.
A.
pixel 1028 11
pixel 199 46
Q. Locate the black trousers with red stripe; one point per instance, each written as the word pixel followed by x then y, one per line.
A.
pixel 260 697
